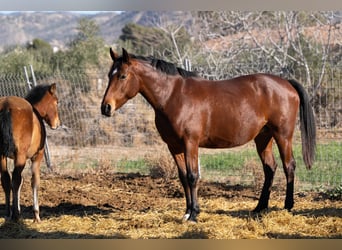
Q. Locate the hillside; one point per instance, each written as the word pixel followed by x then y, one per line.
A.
pixel 58 28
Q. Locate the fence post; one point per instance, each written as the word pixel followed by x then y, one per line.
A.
pixel 187 64
pixel 46 146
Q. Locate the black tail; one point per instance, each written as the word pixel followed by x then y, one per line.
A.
pixel 7 146
pixel 307 125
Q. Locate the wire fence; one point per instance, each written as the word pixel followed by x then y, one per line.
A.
pixel 89 140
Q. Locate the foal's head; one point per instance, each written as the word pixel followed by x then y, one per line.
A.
pixel 44 99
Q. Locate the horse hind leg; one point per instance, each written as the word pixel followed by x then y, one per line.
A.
pixel 35 182
pixel 264 143
pixel 289 165
pixel 6 185
pixel 17 181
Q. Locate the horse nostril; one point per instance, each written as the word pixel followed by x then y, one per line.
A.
pixel 106 109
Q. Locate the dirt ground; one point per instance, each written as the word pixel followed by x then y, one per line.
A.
pixel 97 197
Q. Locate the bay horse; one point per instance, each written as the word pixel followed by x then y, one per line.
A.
pixel 22 137
pixel 192 112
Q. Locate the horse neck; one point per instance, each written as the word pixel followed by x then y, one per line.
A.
pixel 157 87
pixel 39 110
pixel 42 126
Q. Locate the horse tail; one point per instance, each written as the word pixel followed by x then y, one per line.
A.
pixel 307 125
pixel 7 146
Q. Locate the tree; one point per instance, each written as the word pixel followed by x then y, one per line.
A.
pixel 85 49
pixel 41 53
pixel 37 53
pixel 166 42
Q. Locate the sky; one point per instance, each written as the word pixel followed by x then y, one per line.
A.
pixel 79 12
pixel 113 5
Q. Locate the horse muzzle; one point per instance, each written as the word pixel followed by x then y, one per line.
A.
pixel 107 110
pixel 56 124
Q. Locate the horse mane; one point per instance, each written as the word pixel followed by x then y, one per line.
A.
pixel 36 94
pixel 166 67
pixel 33 97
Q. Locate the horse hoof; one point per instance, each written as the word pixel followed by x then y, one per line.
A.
pixel 258 210
pixel 15 219
pixel 186 217
pixel 36 220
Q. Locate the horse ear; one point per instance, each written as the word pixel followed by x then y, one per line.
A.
pixel 125 56
pixel 113 55
pixel 52 88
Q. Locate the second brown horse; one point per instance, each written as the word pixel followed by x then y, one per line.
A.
pixel 22 137
pixel 193 112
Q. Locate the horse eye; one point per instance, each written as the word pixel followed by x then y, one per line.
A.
pixel 122 77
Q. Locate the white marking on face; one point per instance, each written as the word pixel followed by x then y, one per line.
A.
pixel 114 71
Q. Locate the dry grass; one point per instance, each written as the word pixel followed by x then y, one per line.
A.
pixel 103 204
pixel 161 165
pixel 221 218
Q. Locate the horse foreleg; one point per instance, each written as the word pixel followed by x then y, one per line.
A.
pixel 35 182
pixel 178 156
pixel 6 185
pixel 17 181
pixel 193 177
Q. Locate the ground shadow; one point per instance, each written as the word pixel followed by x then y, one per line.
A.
pixel 18 230
pixel 65 208
pixel 299 236
pixel 194 234
pixel 327 211
pixel 314 212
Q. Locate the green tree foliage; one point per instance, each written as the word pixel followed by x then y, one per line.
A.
pixel 41 54
pixel 13 59
pixel 155 41
pixel 37 53
pixel 85 49
pixel 142 39
pixel 83 52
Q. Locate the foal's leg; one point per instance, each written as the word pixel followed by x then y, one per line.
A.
pixel 35 182
pixel 6 184
pixel 264 147
pixel 19 164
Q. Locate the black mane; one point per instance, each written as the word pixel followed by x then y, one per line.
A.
pixel 36 94
pixel 166 67
pixel 163 66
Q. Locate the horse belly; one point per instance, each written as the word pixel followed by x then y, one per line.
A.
pixel 232 132
pixel 224 141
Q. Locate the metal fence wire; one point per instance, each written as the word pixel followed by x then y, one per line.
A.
pixel 88 140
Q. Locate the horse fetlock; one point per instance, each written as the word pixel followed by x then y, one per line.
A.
pixel 37 219
pixel 15 215
pixel 288 204
pixel 193 216
pixel 262 206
